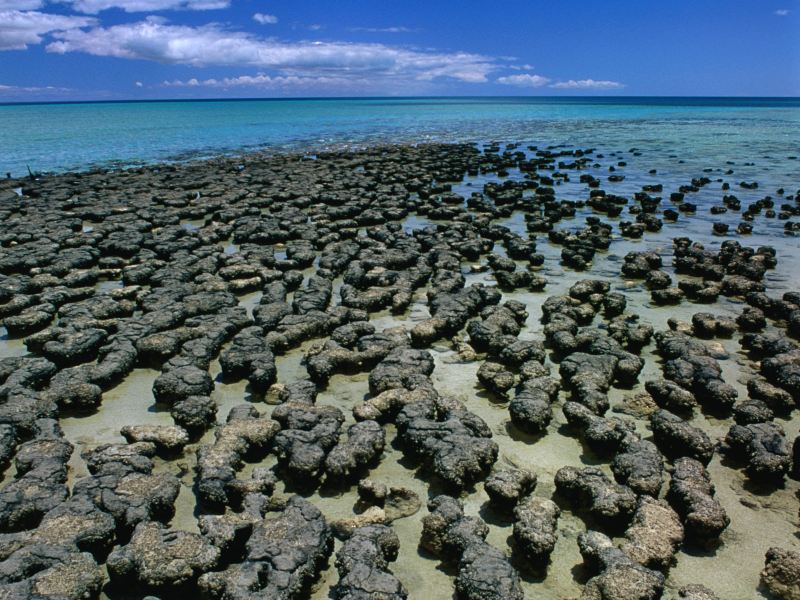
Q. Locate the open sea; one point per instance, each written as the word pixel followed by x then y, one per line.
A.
pixel 59 137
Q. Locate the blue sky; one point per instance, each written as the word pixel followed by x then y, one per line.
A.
pixel 139 49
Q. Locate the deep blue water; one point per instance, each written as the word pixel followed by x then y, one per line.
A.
pixel 69 136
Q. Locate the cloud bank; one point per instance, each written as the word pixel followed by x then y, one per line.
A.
pixel 19 29
pixel 155 39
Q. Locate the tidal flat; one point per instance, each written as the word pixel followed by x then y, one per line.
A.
pixel 492 370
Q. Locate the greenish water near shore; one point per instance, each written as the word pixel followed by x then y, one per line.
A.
pixel 76 136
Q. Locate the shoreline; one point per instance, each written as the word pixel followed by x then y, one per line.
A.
pixel 436 318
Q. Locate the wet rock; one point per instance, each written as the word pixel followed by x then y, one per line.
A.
pixel 40 481
pixel 181 383
pixel 43 571
pixel 365 442
pixel 158 558
pixel 282 557
pixel 763 447
pixel 531 407
pixel 655 534
pixel 494 377
pixel 619 577
pixel 250 357
pixel 308 433
pixel 245 432
pixel 535 529
pixel 640 466
pixel 675 437
pixel 483 571
pixel 589 489
pixel 454 443
pixel 505 488
pixel 781 574
pixel 691 494
pixel 752 411
pixel 167 439
pixel 363 565
pixel 670 396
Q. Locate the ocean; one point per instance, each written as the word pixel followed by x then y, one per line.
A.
pixel 58 137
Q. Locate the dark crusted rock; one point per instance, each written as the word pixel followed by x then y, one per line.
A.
pixel 675 437
pixel 505 488
pixel 763 447
pixel 781 574
pixel 365 442
pixel 483 571
pixel 168 439
pixel 670 396
pixel 158 558
pixel 691 494
pixel 363 566
pixel 619 577
pixel 454 442
pixel 282 557
pixel 655 534
pixel 640 466
pixel 535 527
pixel 589 489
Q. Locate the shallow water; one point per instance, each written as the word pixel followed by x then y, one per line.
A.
pixel 758 521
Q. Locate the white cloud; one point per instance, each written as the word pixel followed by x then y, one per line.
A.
pixel 265 19
pixel 15 89
pixel 524 80
pixel 19 29
pixel 130 6
pixel 782 12
pixel 20 4
pixel 154 39
pixel 588 84
pixel 138 84
pixel 263 81
pixel 384 29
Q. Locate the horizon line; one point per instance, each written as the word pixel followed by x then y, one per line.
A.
pixel 396 97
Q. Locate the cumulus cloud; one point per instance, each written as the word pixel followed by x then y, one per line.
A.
pixel 131 6
pixel 524 80
pixel 782 12
pixel 588 84
pixel 20 4
pixel 19 29
pixel 265 19
pixel 156 40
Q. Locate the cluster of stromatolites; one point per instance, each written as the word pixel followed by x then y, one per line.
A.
pixel 328 242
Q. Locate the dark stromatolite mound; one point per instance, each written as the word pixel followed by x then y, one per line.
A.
pixel 309 432
pixel 283 556
pixel 781 574
pixel 157 558
pixel 676 437
pixel 483 571
pixel 535 529
pixel 363 565
pixel 691 494
pixel 618 576
pixel 505 488
pixel 40 481
pixel 589 489
pixel 454 443
pixel 763 448
pixel 245 432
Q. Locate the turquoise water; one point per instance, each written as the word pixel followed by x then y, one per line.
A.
pixel 59 137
